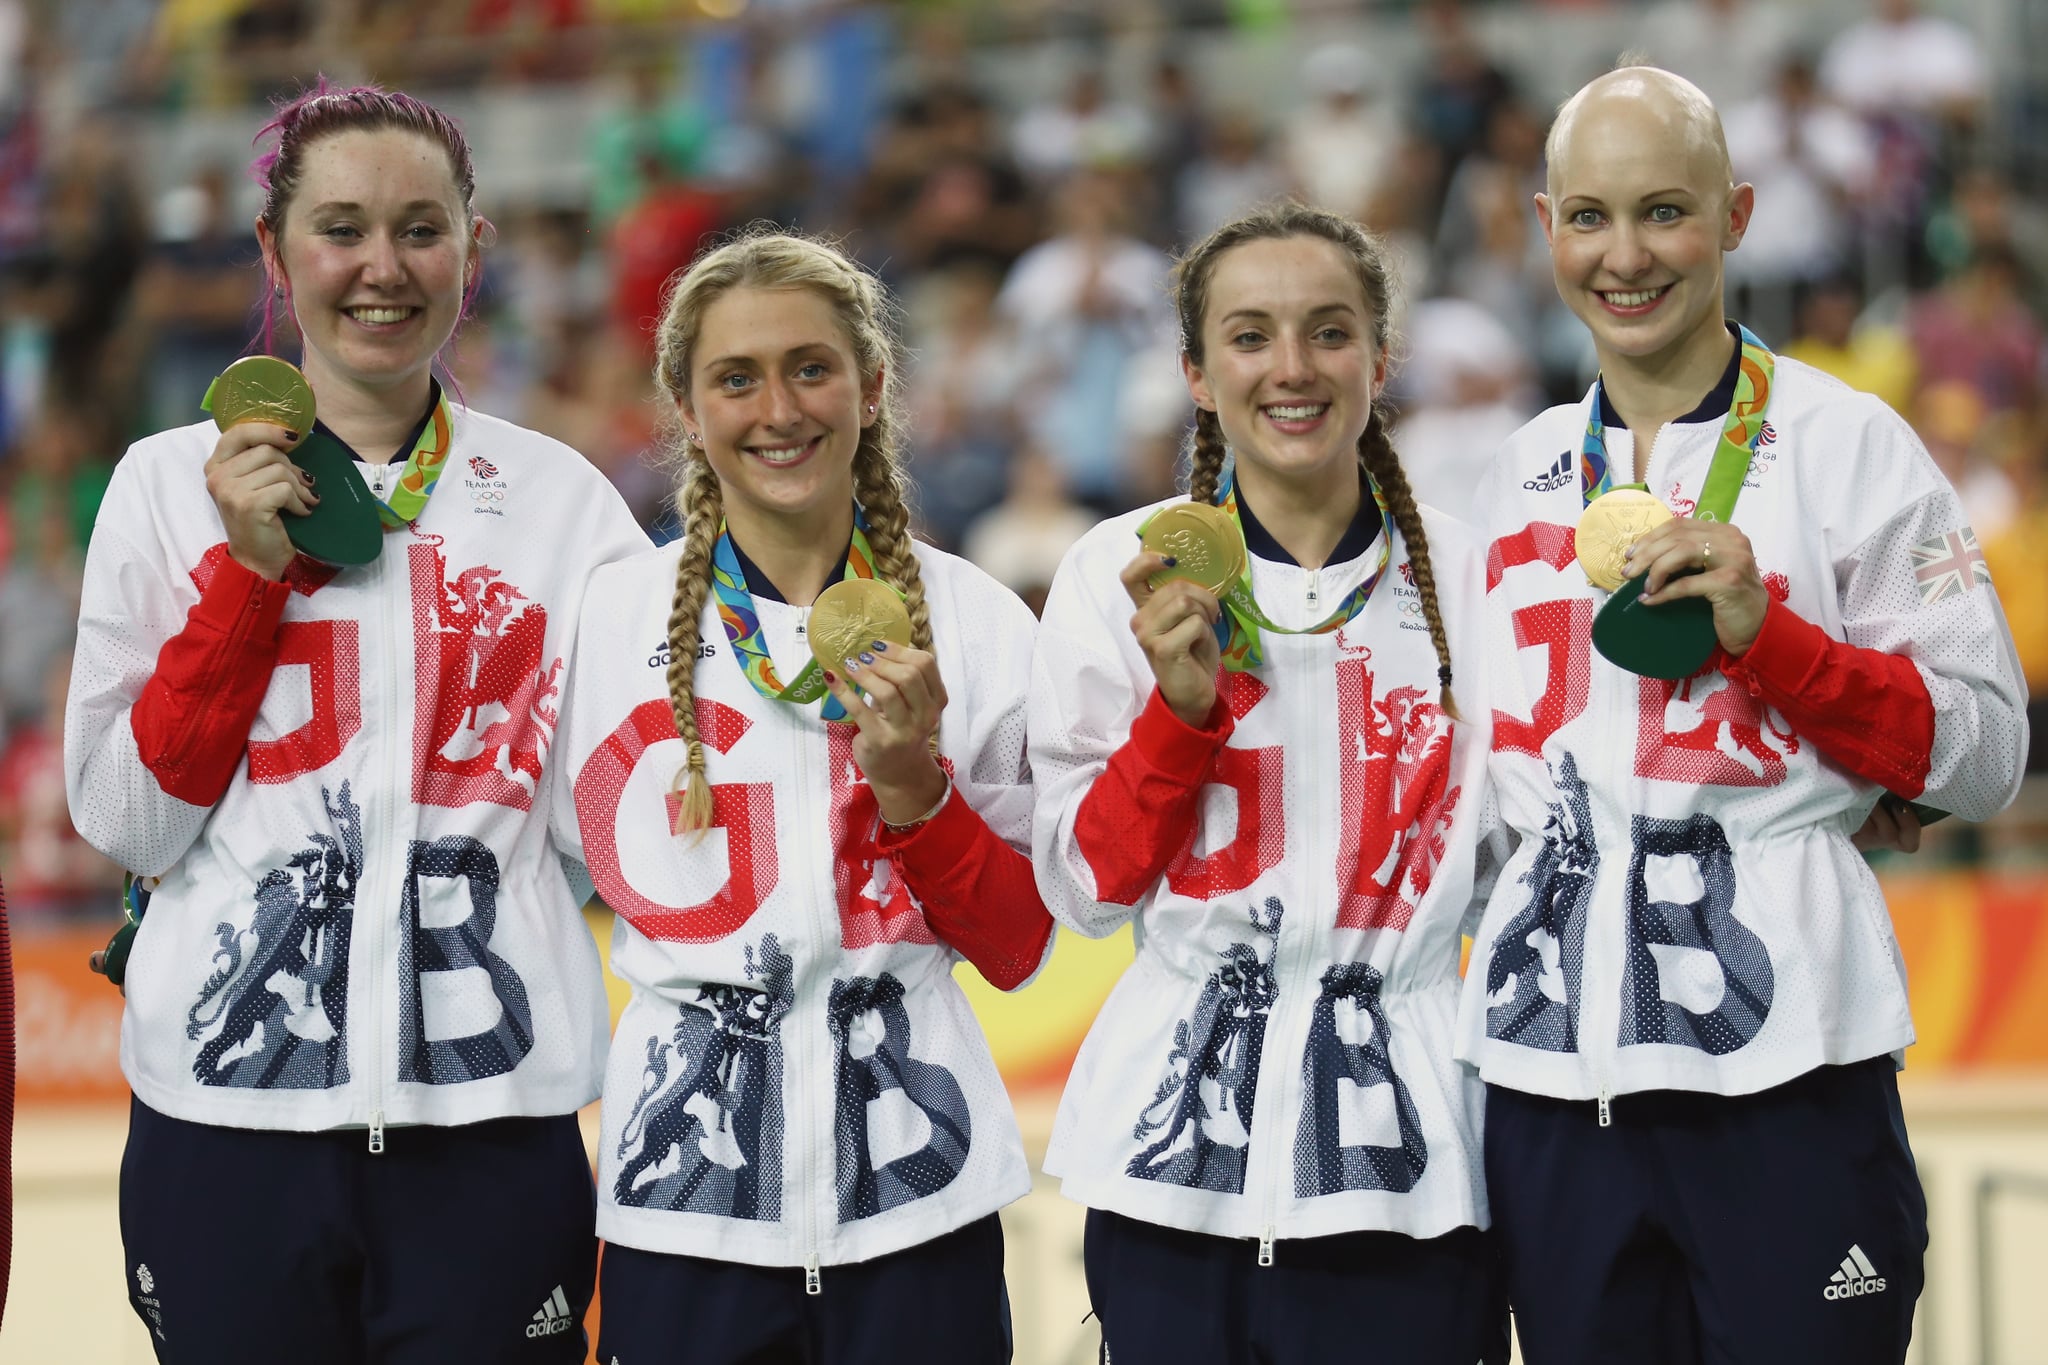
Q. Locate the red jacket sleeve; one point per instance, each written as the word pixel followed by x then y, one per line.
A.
pixel 1867 711
pixel 978 893
pixel 192 720
pixel 1139 813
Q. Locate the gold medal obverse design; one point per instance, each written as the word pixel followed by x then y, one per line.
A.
pixel 1610 524
pixel 1204 542
pixel 263 388
pixel 850 615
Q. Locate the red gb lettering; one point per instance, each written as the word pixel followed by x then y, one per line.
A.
pixel 874 904
pixel 480 654
pixel 1563 627
pixel 1256 776
pixel 744 810
pixel 329 650
pixel 1725 746
pixel 1396 763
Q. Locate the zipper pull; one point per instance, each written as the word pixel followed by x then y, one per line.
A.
pixel 1314 591
pixel 1606 1114
pixel 1266 1245
pixel 376 1131
pixel 811 1274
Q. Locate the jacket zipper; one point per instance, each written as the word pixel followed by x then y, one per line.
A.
pixel 374 1015
pixel 1288 949
pixel 806 1038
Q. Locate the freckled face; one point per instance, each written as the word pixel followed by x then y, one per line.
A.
pixel 1289 366
pixel 374 250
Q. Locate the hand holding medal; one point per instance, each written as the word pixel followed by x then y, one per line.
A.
pixel 264 407
pixel 859 632
pixel 1709 560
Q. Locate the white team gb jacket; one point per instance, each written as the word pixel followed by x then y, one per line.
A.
pixel 372 924
pixel 1277 1061
pixel 1683 908
pixel 797 1078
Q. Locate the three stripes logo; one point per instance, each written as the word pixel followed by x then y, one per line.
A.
pixel 1558 476
pixel 1856 1278
pixel 554 1317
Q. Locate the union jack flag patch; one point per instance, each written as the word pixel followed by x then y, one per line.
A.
pixel 1948 566
pixel 483 468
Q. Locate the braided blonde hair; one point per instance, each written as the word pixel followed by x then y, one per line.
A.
pixel 1367 256
pixel 767 259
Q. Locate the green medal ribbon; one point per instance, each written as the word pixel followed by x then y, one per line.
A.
pixel 1237 629
pixel 1675 639
pixel 742 622
pixel 422 469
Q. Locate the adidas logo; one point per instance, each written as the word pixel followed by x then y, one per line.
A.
pixel 554 1317
pixel 1856 1278
pixel 1560 474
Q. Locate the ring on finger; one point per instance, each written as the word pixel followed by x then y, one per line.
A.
pixel 1706 554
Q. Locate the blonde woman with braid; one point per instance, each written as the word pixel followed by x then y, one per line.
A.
pixel 1277 783
pixel 805 1139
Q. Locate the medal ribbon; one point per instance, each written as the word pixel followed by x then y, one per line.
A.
pixel 422 468
pixel 1237 629
pixel 743 623
pixel 1739 434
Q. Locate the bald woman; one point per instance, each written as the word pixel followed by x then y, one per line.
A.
pixel 1686 998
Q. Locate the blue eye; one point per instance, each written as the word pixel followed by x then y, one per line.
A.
pixel 814 370
pixel 1666 213
pixel 1333 335
pixel 1587 218
pixel 733 383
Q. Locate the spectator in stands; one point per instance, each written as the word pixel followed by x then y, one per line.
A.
pixel 1976 329
pixel 1465 387
pixel 1812 163
pixel 1233 174
pixel 1340 146
pixel 1863 352
pixel 1728 48
pixel 1086 128
pixel 1084 306
pixel 1460 86
pixel 195 296
pixel 960 399
pixel 1902 59
pixel 57 877
pixel 1022 539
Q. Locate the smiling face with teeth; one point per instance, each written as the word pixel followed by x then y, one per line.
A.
pixel 373 251
pixel 778 401
pixel 1640 210
pixel 1289 366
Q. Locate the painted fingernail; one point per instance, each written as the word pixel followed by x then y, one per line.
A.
pixel 306 478
pixel 881 646
pixel 830 676
pixel 866 657
pixel 291 436
pixel 851 666
pixel 1172 560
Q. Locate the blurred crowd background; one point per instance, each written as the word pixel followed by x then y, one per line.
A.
pixel 1021 173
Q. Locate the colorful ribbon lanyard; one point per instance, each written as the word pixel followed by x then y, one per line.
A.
pixel 422 469
pixel 1739 435
pixel 1237 629
pixel 743 624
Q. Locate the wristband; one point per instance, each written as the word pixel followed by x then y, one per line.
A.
pixel 906 826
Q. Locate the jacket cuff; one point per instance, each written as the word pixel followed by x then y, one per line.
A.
pixel 1175 749
pixel 1787 649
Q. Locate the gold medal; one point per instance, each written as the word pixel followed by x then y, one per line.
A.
pixel 262 388
pixel 1610 524
pixel 851 615
pixel 1204 542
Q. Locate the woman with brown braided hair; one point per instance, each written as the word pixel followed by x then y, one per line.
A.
pixel 1265 769
pixel 805 1139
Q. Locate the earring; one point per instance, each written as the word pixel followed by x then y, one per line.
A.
pixel 871 409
